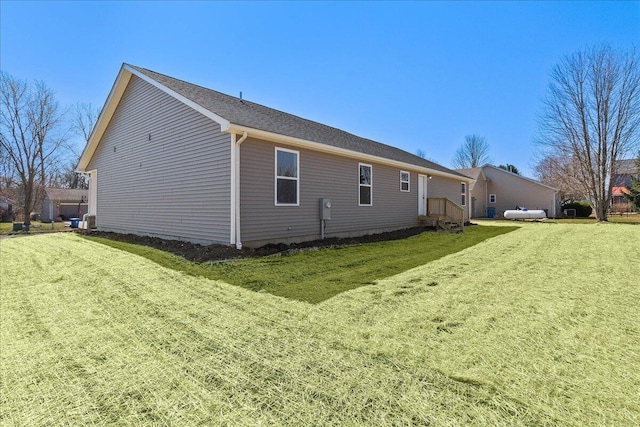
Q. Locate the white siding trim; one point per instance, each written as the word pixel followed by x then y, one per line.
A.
pixel 115 95
pixel 234 188
pixel 117 90
pixel 224 124
pixel 93 193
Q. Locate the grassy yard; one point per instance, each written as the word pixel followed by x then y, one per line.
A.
pixel 536 327
pixel 36 227
pixel 314 276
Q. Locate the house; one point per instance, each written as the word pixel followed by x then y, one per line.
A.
pixel 496 190
pixel 175 160
pixel 6 209
pixel 625 170
pixel 63 203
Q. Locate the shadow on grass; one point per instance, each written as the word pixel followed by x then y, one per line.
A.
pixel 314 276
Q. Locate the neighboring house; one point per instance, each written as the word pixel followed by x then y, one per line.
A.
pixel 6 203
pixel 496 190
pixel 64 203
pixel 6 209
pixel 625 169
pixel 171 159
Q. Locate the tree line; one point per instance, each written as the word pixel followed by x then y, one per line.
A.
pixel 37 137
pixel 590 120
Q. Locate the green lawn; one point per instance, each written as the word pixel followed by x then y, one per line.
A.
pixel 314 276
pixel 536 327
pixel 36 227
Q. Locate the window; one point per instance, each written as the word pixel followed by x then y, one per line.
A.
pixel 287 167
pixel 365 185
pixel 404 181
pixel 463 193
pixel 492 198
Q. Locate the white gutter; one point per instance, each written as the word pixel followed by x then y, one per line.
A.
pixel 235 226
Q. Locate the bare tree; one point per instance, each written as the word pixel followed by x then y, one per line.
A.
pixel 592 117
pixel 30 118
pixel 473 153
pixel 83 119
pixel 562 174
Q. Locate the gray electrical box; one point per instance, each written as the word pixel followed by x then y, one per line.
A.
pixel 325 208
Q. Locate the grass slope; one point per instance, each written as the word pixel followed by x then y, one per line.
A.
pixel 315 276
pixel 535 327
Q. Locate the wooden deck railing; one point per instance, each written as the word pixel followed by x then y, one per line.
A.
pixel 441 206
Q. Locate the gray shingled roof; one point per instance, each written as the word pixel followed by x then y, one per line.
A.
pixel 256 116
pixel 627 167
pixel 470 172
pixel 66 194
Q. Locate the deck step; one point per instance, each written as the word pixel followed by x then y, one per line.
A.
pixel 440 222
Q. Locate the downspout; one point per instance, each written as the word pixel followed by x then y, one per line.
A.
pixel 237 187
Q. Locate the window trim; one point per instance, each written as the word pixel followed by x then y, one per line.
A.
pixel 494 197
pixel 370 185
pixel 277 177
pixel 463 193
pixel 408 181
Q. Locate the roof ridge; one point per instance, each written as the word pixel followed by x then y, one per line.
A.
pixel 264 106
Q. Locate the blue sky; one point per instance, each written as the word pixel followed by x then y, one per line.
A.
pixel 415 75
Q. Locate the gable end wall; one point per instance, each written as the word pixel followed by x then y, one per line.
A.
pixel 512 191
pixel 163 170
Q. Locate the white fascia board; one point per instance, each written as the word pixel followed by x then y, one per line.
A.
pixel 104 118
pixel 224 123
pixel 316 146
pixel 124 76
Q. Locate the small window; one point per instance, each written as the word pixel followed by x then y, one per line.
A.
pixel 463 193
pixel 404 181
pixel 492 198
pixel 287 166
pixel 365 186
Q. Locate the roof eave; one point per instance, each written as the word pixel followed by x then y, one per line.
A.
pixel 317 146
pixel 521 177
pixel 109 108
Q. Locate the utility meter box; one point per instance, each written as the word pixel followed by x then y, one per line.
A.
pixel 325 208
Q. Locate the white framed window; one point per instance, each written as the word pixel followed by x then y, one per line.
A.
pixel 492 198
pixel 404 181
pixel 287 183
pixel 365 186
pixel 463 194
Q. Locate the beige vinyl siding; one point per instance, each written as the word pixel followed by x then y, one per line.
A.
pixel 479 193
pixel 449 188
pixel 512 191
pixel 321 175
pixel 164 170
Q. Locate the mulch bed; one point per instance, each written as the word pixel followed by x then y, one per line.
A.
pixel 199 253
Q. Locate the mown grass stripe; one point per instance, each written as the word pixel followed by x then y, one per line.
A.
pixel 315 276
pixel 478 337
